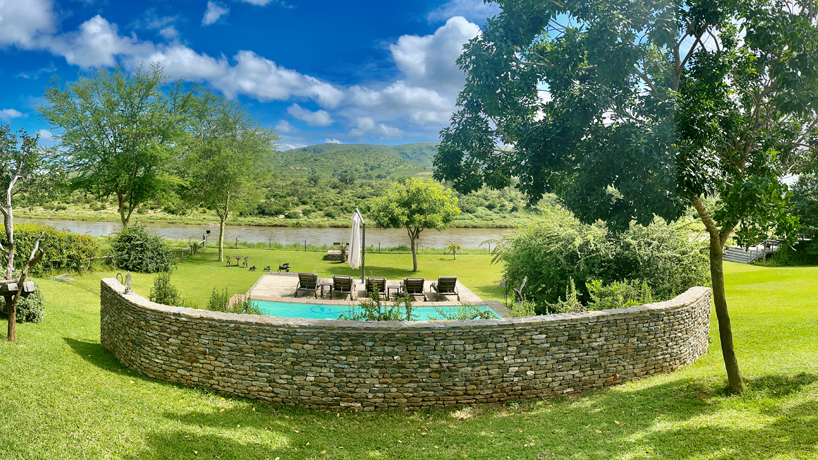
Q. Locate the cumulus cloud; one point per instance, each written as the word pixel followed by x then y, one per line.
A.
pixel 284 126
pixel 366 125
pixel 317 118
pixel 23 24
pixel 8 114
pixel 470 9
pixel 45 134
pixel 214 12
pixel 96 44
pixel 429 61
pixel 332 141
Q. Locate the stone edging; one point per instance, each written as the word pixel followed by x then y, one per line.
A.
pixel 377 365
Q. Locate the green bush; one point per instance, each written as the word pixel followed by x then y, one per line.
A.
pixel 220 301
pixel 463 312
pixel 29 309
pixel 137 250
pixel 63 251
pixel 375 308
pixel 558 249
pixel 618 294
pixel 165 293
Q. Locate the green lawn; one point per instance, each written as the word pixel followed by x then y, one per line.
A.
pixel 64 396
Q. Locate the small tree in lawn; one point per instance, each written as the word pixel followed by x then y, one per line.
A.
pixel 453 248
pixel 21 170
pixel 629 109
pixel 226 157
pixel 416 205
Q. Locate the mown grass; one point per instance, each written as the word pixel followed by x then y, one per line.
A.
pixel 64 396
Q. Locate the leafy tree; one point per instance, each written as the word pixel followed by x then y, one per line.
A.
pixel 805 206
pixel 415 205
pixel 22 168
pixel 118 133
pixel 629 109
pixel 226 158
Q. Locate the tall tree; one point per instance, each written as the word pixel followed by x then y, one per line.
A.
pixel 415 205
pixel 118 132
pixel 22 169
pixel 226 158
pixel 629 109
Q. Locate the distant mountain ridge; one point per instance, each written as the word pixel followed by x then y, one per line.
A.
pixel 420 154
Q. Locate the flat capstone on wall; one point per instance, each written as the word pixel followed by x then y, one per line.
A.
pixel 379 365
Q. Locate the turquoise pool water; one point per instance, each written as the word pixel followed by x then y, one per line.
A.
pixel 315 311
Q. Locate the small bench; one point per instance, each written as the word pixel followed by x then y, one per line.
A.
pixel 334 254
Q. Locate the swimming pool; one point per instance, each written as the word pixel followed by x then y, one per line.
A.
pixel 316 311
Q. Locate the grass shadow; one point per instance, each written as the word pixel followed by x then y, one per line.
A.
pixel 94 353
pixel 681 418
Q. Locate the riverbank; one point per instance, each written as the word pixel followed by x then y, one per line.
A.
pixel 198 217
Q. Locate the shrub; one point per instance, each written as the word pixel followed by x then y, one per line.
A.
pixel 63 251
pixel 618 294
pixel 137 250
pixel 463 312
pixel 558 249
pixel 163 292
pixel 220 301
pixel 375 308
pixel 29 309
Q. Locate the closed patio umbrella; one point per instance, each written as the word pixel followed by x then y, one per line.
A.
pixel 357 240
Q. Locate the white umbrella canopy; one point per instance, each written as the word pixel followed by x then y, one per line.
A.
pixel 354 254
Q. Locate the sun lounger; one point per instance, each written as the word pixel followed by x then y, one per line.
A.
pixel 342 284
pixel 376 284
pixel 414 287
pixel 307 282
pixel 446 285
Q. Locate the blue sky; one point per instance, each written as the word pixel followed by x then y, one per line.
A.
pixel 377 72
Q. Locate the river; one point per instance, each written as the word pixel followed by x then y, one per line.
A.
pixel 465 237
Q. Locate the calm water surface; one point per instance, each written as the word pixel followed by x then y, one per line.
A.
pixel 465 237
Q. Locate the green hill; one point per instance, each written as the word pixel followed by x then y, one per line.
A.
pixel 362 161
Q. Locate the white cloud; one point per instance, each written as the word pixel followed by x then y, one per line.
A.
pixel 280 3
pixel 45 134
pixel 284 126
pixel 366 125
pixel 8 114
pixel 429 61
pixel 471 9
pixel 23 23
pixel 332 141
pixel 317 118
pixel 214 12
pixel 262 79
pixel 169 32
pixel 96 44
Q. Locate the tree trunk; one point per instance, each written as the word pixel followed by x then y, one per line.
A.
pixel 221 238
pixel 11 311
pixel 223 215
pixel 121 208
pixel 413 238
pixel 720 300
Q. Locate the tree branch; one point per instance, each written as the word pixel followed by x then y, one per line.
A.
pixel 704 215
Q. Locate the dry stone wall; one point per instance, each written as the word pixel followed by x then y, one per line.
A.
pixel 379 365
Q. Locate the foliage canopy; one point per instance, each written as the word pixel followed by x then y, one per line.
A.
pixel 630 109
pixel 416 205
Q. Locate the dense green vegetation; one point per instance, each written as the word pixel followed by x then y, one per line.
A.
pixel 558 251
pixel 64 396
pixel 337 179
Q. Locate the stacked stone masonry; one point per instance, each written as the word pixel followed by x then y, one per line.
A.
pixel 379 365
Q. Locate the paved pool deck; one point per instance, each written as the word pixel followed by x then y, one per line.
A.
pixel 280 287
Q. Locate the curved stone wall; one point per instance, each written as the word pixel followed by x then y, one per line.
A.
pixel 378 365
